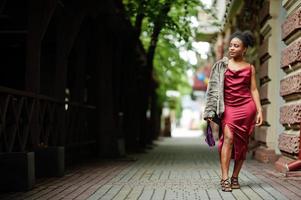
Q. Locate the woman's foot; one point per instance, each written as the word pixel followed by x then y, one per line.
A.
pixel 234 183
pixel 226 185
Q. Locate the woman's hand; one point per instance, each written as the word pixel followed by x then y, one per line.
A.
pixel 259 118
pixel 209 119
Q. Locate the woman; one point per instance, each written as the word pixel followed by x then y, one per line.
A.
pixel 233 96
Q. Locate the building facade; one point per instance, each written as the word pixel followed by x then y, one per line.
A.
pixel 277 58
pixel 71 81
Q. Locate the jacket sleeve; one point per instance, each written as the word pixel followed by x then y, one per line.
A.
pixel 212 93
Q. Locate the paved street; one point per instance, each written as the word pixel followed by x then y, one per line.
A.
pixel 177 168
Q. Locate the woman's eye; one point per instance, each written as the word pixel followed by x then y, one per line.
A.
pixel 234 45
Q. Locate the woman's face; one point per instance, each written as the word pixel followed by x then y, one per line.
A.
pixel 236 48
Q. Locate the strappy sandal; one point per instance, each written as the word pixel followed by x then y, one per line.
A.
pixel 226 185
pixel 234 183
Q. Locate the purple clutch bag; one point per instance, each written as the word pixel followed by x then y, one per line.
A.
pixel 209 136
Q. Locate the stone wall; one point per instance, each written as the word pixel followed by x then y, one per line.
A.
pixel 290 85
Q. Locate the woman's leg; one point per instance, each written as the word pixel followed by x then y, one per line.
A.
pixel 236 170
pixel 226 152
pixel 237 167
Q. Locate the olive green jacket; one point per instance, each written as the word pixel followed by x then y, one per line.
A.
pixel 215 90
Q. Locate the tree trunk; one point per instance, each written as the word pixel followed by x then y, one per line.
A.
pixel 150 97
pixel 140 16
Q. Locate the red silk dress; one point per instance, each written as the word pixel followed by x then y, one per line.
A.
pixel 240 110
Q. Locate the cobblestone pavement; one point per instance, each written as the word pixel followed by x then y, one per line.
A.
pixel 178 168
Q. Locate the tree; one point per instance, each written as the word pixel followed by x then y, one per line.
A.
pixel 160 24
pixel 154 20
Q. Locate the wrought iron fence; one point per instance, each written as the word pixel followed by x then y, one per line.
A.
pixel 29 121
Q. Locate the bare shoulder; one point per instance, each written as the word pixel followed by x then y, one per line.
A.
pixel 252 68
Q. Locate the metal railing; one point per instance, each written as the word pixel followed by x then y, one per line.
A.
pixel 29 121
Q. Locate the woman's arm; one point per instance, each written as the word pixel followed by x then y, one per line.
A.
pixel 256 98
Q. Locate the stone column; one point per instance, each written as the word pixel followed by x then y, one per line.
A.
pixel 68 28
pixel 269 78
pixel 78 70
pixel 290 85
pixel 105 46
pixel 40 13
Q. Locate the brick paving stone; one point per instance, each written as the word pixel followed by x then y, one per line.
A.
pixel 213 194
pixel 135 193
pixel 159 194
pixel 178 168
pixel 251 194
pixel 267 187
pixel 287 186
pixel 238 194
pixel 123 193
pixel 170 195
pixel 112 192
pixel 146 194
pixel 279 187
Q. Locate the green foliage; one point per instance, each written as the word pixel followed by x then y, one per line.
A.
pixel 177 19
pixel 169 68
